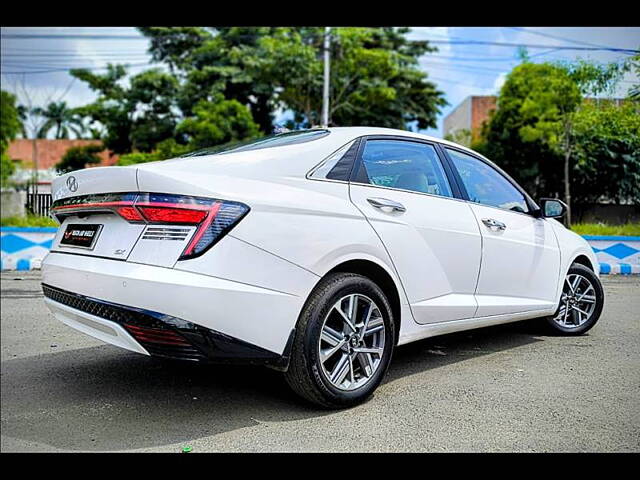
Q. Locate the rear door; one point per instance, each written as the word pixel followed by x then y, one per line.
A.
pixel 403 189
pixel 520 253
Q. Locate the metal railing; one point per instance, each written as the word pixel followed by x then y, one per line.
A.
pixel 38 203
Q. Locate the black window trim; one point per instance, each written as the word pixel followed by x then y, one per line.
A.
pixel 357 171
pixel 456 184
pixel 531 204
pixel 354 143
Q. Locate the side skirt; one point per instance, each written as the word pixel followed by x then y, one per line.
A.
pixel 442 328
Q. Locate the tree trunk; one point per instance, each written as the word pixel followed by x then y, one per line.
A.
pixel 567 192
pixel 34 157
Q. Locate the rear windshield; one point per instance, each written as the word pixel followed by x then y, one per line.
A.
pixel 279 140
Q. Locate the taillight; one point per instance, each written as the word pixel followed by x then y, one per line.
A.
pixel 130 214
pixel 172 215
pixel 223 217
pixel 212 217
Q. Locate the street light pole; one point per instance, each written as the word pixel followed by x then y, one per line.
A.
pixel 325 90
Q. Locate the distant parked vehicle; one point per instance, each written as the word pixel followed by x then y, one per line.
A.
pixel 314 252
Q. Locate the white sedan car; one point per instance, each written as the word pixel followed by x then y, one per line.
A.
pixel 314 252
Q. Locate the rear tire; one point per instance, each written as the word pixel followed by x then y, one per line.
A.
pixel 580 305
pixel 328 366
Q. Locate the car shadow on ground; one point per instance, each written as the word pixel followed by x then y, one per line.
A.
pixel 104 398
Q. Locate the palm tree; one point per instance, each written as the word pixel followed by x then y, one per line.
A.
pixel 62 118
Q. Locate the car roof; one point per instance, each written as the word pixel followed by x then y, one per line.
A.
pixel 287 160
pixel 362 131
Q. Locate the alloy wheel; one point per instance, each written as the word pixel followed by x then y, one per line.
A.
pixel 352 342
pixel 577 303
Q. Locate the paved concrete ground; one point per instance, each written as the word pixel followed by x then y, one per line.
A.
pixel 506 388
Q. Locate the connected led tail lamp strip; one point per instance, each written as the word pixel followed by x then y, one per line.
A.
pixel 213 217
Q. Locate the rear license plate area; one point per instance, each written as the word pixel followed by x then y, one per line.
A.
pixel 81 235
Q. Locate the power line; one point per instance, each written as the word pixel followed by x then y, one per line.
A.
pixel 557 37
pixel 254 36
pixel 529 45
pixel 70 55
pixel 71 36
pixel 73 68
pixel 487 58
pixel 438 79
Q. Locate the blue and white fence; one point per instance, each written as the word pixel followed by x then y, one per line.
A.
pixel 616 254
pixel 23 248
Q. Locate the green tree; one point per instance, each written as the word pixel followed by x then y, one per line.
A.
pixel 375 76
pixel 10 127
pixel 61 118
pixel 607 152
pixel 210 62
pixel 218 122
pixel 6 169
pixel 634 64
pixel 166 149
pixel 508 136
pixel 135 117
pixel 77 158
pixel 532 130
pixel 462 136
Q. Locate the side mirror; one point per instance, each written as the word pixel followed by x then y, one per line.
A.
pixel 552 208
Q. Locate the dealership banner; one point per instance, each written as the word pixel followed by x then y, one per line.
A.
pixel 23 248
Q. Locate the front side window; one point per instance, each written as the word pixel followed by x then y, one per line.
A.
pixel 406 165
pixel 485 185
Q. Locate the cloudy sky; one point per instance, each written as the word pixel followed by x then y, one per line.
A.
pixel 38 65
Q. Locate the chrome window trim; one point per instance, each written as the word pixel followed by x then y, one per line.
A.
pixel 325 159
pixel 434 145
pixel 443 146
pixel 476 156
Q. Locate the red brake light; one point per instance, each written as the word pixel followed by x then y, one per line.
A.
pixel 173 215
pixel 130 214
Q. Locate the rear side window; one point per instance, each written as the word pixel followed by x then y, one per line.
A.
pixel 405 165
pixel 337 166
pixel 487 186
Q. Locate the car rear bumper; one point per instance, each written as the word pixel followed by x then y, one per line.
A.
pixel 153 333
pixel 223 320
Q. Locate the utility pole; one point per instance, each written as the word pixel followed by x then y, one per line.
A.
pixel 325 89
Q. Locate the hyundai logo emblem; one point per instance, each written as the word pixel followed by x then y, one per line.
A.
pixel 72 183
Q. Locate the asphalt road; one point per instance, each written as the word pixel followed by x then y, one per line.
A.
pixel 505 388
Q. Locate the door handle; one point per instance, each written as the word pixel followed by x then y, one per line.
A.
pixel 493 223
pixel 386 203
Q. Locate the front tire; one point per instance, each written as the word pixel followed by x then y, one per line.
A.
pixel 581 302
pixel 344 342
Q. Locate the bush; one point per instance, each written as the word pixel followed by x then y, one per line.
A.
pixel 164 150
pixel 77 158
pixel 629 229
pixel 136 157
pixel 28 221
pixel 6 169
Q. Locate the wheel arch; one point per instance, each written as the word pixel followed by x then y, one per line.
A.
pixel 381 277
pixel 584 260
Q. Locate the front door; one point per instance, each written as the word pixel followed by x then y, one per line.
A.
pixel 520 253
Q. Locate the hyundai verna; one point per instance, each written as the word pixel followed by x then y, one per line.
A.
pixel 314 252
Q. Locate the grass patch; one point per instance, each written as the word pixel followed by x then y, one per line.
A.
pixel 28 221
pixel 629 229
